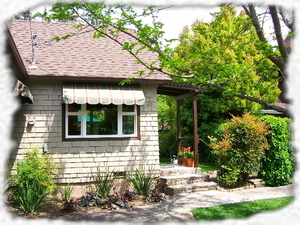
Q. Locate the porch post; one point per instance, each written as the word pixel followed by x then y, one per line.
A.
pixel 178 126
pixel 195 130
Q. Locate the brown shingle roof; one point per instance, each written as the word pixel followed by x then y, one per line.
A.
pixel 76 57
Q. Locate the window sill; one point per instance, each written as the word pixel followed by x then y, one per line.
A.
pixel 101 139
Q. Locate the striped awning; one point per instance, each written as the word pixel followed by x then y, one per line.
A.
pixel 95 93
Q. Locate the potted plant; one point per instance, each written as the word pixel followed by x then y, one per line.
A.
pixel 186 157
pixel 180 158
pixel 189 159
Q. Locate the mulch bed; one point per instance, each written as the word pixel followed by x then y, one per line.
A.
pixel 52 208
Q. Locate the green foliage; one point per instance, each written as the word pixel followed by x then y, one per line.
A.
pixel 66 192
pixel 224 52
pixel 166 107
pixel 186 154
pixel 142 181
pixel 25 15
pixel 33 181
pixel 207 128
pixel 278 165
pixel 104 182
pixel 240 210
pixel 214 105
pixel 240 148
pixel 167 142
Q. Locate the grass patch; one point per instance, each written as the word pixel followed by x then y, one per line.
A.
pixel 240 210
pixel 164 160
pixel 205 168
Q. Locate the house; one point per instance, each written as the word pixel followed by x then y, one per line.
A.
pixel 76 111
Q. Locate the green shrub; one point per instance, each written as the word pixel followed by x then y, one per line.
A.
pixel 66 192
pixel 32 182
pixel 278 165
pixel 186 154
pixel 104 182
pixel 142 181
pixel 167 142
pixel 206 130
pixel 240 148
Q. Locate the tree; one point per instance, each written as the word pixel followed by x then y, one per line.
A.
pixel 109 21
pixel 225 53
pixel 25 15
pixel 228 50
pixel 279 18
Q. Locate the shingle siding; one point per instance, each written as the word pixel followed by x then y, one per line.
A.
pixel 78 159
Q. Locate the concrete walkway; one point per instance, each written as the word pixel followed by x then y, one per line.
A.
pixel 178 209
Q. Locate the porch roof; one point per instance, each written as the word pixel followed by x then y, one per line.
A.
pixel 176 89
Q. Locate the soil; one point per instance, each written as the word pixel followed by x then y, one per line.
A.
pixel 52 208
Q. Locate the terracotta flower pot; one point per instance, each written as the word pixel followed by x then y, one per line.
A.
pixel 181 160
pixel 190 162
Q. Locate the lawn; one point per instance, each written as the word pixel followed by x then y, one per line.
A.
pixel 240 210
pixel 164 160
pixel 205 168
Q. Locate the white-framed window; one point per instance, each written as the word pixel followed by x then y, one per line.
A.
pixel 100 121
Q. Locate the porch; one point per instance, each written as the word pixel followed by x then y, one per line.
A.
pixel 181 91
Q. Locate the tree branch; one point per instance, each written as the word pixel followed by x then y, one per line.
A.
pixel 266 105
pixel 151 68
pixel 251 12
pixel 278 33
pixel 287 22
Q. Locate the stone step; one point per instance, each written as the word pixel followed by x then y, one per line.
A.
pixel 184 179
pixel 195 187
pixel 174 170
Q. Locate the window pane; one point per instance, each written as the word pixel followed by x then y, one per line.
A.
pixel 101 119
pixel 128 108
pixel 74 125
pixel 128 124
pixel 74 107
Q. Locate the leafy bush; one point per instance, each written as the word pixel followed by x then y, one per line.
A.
pixel 208 129
pixel 104 182
pixel 66 192
pixel 167 142
pixel 278 165
pixel 70 206
pixel 155 196
pixel 142 181
pixel 33 181
pixel 92 199
pixel 186 154
pixel 240 148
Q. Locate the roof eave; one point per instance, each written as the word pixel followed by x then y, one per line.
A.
pixel 95 78
pixel 16 54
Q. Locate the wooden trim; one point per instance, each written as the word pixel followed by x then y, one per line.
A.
pixel 100 139
pixel 178 126
pixel 138 125
pixel 186 95
pixel 195 131
pixel 138 137
pixel 16 55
